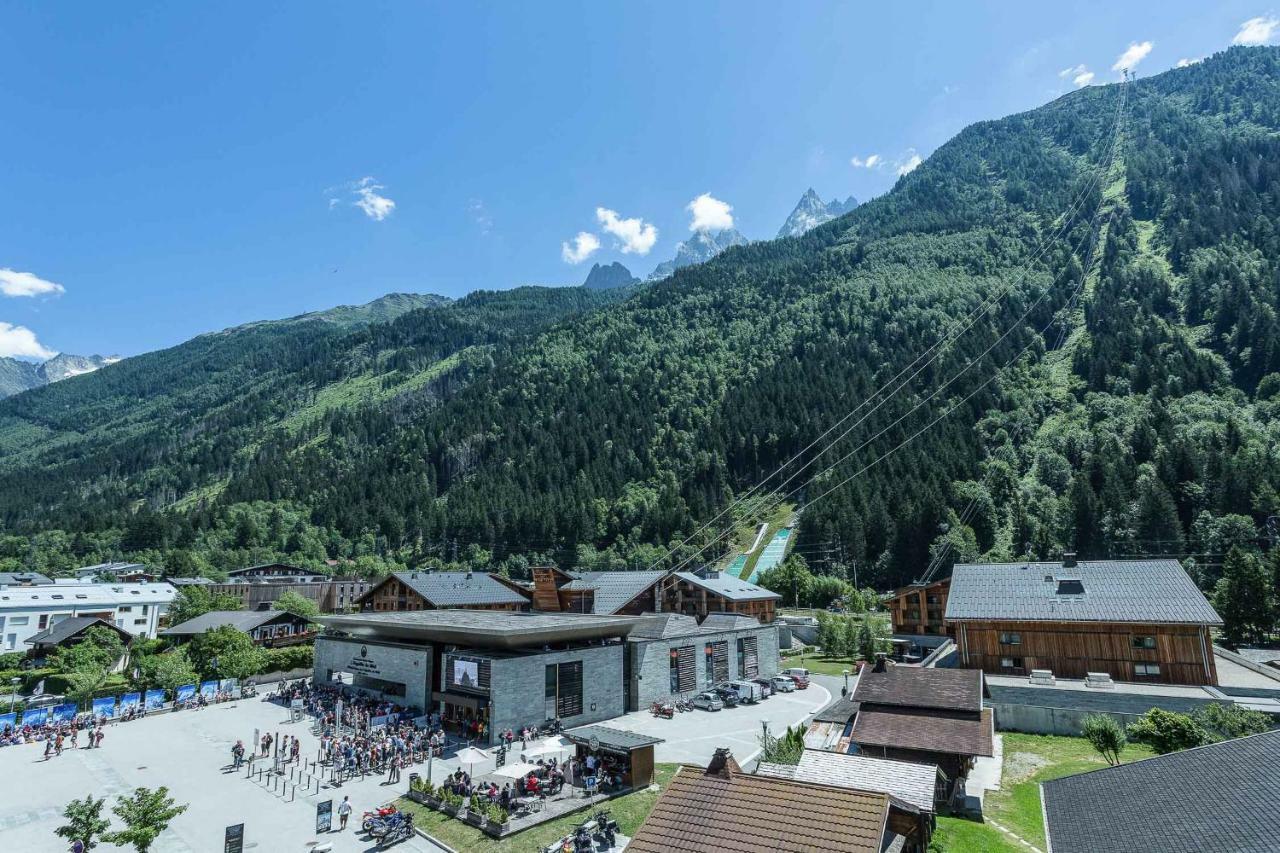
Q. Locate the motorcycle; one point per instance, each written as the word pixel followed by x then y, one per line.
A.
pixel 396 831
pixel 606 828
pixel 663 709
pixel 248 691
pixel 377 816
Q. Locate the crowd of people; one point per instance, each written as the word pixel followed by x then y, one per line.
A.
pixel 57 735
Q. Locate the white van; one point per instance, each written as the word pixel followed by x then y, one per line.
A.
pixel 748 691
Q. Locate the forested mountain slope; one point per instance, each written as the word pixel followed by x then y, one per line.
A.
pixel 1142 419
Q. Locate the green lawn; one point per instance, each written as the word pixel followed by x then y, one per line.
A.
pixel 1028 761
pixel 629 811
pixel 817 662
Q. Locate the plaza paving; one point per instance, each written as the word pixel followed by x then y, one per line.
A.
pixel 190 752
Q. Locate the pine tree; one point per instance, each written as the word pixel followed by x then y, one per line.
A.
pixel 1243 597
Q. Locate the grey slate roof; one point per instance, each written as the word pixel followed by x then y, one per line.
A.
pixel 67 628
pixel 918 687
pixel 908 781
pixel 24 579
pixel 729 622
pixel 614 590
pixel 661 626
pixel 241 620
pixel 1156 591
pixel 840 711
pixel 727 586
pixel 459 589
pixel 1217 797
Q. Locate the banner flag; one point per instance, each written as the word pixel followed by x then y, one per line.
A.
pixel 185 692
pixel 130 700
pixel 35 717
pixel 209 689
pixel 104 707
pixel 154 699
pixel 64 713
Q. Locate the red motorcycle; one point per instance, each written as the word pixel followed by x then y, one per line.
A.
pixel 663 709
pixel 370 819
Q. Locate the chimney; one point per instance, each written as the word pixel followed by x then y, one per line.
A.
pixel 880 666
pixel 468 574
pixel 1068 559
pixel 722 764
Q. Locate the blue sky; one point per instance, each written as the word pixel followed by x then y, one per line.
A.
pixel 168 169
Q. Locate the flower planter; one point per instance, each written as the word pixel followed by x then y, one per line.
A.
pixel 449 809
pixel 497 830
pixel 475 818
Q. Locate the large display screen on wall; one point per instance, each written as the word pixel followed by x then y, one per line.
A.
pixel 466 673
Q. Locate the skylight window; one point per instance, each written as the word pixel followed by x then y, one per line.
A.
pixel 1070 586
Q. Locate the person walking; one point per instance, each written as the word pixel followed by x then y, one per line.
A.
pixel 237 754
pixel 98 740
pixel 344 812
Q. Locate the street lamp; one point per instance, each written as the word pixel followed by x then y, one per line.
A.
pixel 846 683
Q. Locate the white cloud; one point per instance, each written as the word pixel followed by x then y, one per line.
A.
pixel 1083 79
pixel 14 283
pixel 1135 53
pixel 1256 31
pixel 710 214
pixel 871 162
pixel 908 165
pixel 20 342
pixel 375 206
pixel 637 236
pixel 1183 63
pixel 583 246
pixel 1073 71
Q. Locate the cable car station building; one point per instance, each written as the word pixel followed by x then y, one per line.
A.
pixel 511 669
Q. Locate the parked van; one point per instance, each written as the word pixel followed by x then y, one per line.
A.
pixel 799 675
pixel 748 691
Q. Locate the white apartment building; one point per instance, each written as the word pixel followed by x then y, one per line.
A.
pixel 27 610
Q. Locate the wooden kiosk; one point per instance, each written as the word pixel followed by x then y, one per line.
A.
pixel 633 753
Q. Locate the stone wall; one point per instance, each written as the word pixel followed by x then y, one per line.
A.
pixel 519 687
pixel 651 661
pixel 407 665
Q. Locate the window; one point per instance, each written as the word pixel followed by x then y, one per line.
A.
pixel 1011 663
pixel 144 609
pixel 44 621
pixel 1146 669
pixel 684 676
pixel 748 660
pixel 563 692
pixel 126 608
pixel 19 620
pixel 1144 642
pixel 717 655
pixel 139 621
pixel 59 595
pixel 1010 639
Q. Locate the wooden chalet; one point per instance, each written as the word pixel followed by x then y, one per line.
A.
pixel 920 608
pixel 601 593
pixel 924 716
pixel 424 590
pixel 1135 620
pixel 708 591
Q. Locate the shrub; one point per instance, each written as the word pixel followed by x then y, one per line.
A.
pixel 1167 731
pixel 1106 736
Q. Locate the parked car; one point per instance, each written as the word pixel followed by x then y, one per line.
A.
pixel 728 696
pixel 708 702
pixel 45 700
pixel 748 691
pixel 799 675
pixel 765 685
pixel 783 684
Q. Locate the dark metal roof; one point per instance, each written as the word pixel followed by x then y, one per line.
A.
pixel 611 738
pixel 241 620
pixel 68 628
pixel 1157 591
pixel 839 711
pixel 459 589
pixel 482 628
pixel 730 622
pixel 1217 797
pixel 916 687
